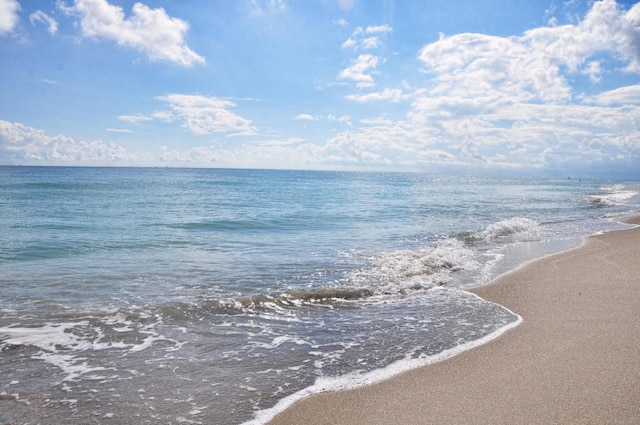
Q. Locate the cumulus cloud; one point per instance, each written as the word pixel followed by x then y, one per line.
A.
pixel 361 71
pixel 392 95
pixel 507 103
pixel 205 115
pixel 363 68
pixel 305 117
pixel 478 66
pixel 366 38
pixel 344 119
pixel 622 95
pixel 40 17
pixel 8 15
pixel 532 67
pixel 511 102
pixel 605 28
pixel 151 31
pixel 20 143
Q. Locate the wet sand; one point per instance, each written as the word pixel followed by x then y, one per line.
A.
pixel 574 360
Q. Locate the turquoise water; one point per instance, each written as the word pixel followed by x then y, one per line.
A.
pixel 134 295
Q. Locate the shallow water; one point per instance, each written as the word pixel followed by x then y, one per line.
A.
pixel 205 296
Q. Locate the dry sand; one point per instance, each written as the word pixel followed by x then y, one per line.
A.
pixel 574 360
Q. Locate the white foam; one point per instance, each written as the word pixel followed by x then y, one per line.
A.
pixel 72 366
pixel 54 336
pixel 59 343
pixel 356 379
pixel 612 188
pixel 510 227
pixel 612 196
pixel 397 271
pixel 610 199
pixel 47 337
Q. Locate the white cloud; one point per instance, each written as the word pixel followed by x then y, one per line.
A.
pixel 119 130
pixel 521 137
pixel 8 15
pixel 292 141
pixel 484 102
pixel 344 119
pixel 360 71
pixel 378 29
pixel 305 117
pixel 341 22
pixel 508 102
pixel 40 17
pixel 199 155
pixel 135 119
pixel 392 95
pixel 20 143
pixel 151 31
pixel 594 71
pixel 362 148
pixel 261 7
pixel 363 68
pixel 605 28
pixel 366 38
pixel 291 153
pixel 479 66
pixel 622 95
pixel 205 115
pixel 167 116
pixel 532 67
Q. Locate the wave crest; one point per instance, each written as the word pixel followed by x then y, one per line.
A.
pixel 510 227
pixel 402 270
pixel 611 196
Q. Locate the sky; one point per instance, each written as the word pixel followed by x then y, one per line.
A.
pixel 506 87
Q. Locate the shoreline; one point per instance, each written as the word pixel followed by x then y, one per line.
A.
pixel 573 359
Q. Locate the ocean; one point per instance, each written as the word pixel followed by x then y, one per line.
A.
pixel 217 296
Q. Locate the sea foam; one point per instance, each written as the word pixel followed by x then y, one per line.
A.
pixel 61 344
pixel 611 196
pixel 358 379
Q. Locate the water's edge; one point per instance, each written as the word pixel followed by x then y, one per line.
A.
pixel 354 381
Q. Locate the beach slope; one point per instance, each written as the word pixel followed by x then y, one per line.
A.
pixel 574 360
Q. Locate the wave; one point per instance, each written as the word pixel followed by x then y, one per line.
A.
pixel 290 299
pixel 387 273
pixel 506 229
pixel 396 272
pixel 611 196
pixel 510 227
pixel 360 378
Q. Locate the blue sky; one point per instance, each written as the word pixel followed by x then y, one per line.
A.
pixel 499 87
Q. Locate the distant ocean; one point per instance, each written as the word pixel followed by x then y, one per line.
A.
pixel 209 296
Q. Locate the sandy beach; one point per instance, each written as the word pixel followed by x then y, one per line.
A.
pixel 574 360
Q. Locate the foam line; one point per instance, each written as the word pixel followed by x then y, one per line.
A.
pixel 356 380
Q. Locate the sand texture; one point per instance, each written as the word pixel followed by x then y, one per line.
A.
pixel 574 360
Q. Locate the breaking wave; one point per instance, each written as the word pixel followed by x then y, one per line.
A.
pixel 395 272
pixel 611 196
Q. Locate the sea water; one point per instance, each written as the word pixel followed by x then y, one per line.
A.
pixel 209 296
